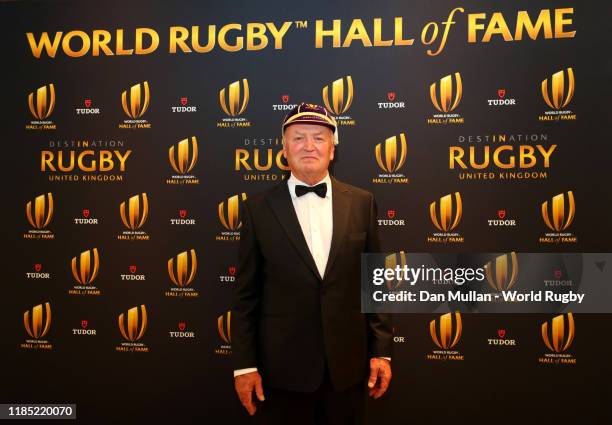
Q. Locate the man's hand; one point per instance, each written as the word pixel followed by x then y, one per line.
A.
pixel 380 376
pixel 245 384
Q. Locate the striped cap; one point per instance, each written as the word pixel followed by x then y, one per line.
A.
pixel 309 113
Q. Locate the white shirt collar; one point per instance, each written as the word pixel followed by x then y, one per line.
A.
pixel 293 181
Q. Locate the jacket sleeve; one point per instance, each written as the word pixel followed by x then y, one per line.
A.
pixel 246 295
pixel 380 326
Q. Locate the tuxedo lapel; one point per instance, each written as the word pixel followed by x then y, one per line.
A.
pixel 341 205
pixel 282 206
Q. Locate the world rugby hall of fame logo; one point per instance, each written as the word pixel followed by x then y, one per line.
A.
pixel 445 214
pixel 134 214
pixel 338 97
pixel 37 323
pixel 234 100
pixel 41 103
pixel 502 272
pixel 229 216
pixel 132 327
pixel 183 157
pixel 557 92
pixel 558 216
pixel 135 103
pixel 182 270
pixel 445 332
pixel 558 335
pixel 390 158
pixel 39 213
pixel 445 95
pixel 85 268
pixel 224 329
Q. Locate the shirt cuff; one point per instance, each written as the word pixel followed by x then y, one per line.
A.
pixel 239 372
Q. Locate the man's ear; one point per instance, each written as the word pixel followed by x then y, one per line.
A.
pixel 331 154
pixel 284 150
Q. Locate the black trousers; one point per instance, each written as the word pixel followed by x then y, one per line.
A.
pixel 325 406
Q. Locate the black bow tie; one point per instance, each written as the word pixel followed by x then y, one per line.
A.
pixel 320 189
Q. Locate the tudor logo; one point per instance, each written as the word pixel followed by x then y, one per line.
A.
pixel 42 103
pixel 183 101
pixel 231 102
pixel 391 213
pixel 338 100
pixel 501 93
pixel 182 326
pixel 182 213
pixel 391 96
pixel 501 214
pixel 285 98
pixel 501 333
pixel 87 103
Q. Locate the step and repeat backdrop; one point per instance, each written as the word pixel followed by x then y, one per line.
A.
pixel 134 131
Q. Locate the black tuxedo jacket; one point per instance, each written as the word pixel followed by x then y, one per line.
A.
pixel 286 320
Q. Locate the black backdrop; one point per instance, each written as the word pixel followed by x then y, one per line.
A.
pixel 188 380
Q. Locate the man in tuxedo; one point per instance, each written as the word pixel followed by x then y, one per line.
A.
pixel 301 347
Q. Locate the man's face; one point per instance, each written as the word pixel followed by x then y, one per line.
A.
pixel 308 148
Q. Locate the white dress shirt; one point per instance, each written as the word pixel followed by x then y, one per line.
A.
pixel 315 215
